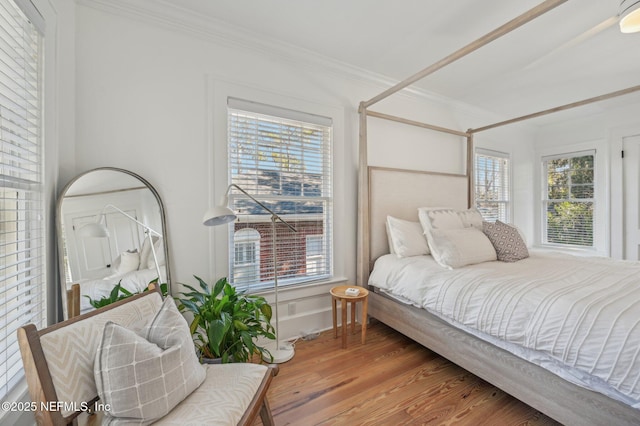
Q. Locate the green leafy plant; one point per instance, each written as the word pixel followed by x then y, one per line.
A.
pixel 118 293
pixel 227 323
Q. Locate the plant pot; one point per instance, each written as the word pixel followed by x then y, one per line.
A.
pixel 211 360
pixel 204 360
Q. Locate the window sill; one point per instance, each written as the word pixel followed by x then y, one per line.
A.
pixel 19 393
pixel 576 251
pixel 308 289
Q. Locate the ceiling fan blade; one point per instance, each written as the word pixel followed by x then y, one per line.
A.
pixel 575 41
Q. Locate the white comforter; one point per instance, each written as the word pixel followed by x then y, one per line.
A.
pixel 581 313
pixel 134 281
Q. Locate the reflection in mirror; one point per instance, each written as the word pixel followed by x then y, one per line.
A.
pixel 111 230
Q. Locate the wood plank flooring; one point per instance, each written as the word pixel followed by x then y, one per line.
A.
pixel 389 381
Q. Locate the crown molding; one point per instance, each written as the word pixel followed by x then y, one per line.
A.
pixel 165 14
pixel 170 16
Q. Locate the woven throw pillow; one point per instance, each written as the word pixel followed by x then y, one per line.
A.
pixel 142 377
pixel 507 241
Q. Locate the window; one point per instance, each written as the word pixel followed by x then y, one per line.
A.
pixel 569 203
pixel 22 250
pixel 283 159
pixel 314 248
pixel 492 185
pixel 246 265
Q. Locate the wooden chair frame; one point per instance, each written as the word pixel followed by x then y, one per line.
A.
pixel 43 392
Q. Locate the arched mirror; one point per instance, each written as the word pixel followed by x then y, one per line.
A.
pixel 111 230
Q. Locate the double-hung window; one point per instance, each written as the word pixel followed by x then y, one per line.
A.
pixel 568 203
pixel 283 159
pixel 22 256
pixel 492 189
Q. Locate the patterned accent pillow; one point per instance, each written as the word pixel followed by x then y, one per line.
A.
pixel 506 240
pixel 142 377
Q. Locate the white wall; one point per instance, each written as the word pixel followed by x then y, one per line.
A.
pixel 148 92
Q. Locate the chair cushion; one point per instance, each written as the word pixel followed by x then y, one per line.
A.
pixel 223 397
pixel 143 377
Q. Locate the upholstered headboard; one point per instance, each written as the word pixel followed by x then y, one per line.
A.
pixel 399 193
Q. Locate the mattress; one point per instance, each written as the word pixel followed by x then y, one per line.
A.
pixel 578 317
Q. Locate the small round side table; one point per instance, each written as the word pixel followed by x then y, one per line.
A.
pixel 338 293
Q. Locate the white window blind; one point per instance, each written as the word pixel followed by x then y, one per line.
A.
pixel 492 185
pixel 282 158
pixel 21 208
pixel 569 203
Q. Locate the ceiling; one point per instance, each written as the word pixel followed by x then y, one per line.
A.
pixel 573 52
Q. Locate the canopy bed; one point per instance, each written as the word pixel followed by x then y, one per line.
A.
pixel 422 310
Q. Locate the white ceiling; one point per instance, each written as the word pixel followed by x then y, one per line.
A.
pixel 573 52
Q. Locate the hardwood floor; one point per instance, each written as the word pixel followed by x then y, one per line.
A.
pixel 389 381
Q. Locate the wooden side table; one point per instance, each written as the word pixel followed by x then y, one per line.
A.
pixel 338 293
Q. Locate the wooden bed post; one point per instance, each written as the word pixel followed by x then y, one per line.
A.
pixel 515 23
pixel 558 108
pixel 470 170
pixel 362 272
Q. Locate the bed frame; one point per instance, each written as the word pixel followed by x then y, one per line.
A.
pixel 541 389
pixel 384 191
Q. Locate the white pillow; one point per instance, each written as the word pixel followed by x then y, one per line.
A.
pixel 159 249
pixel 439 218
pixel 145 251
pixel 471 217
pixel 142 377
pixel 454 248
pixel 389 238
pixel 129 261
pixel 406 237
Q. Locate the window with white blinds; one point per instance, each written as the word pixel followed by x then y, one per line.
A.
pixel 282 158
pixel 569 199
pixel 492 180
pixel 22 254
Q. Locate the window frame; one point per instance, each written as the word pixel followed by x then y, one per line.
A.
pixel 506 181
pixel 545 200
pixel 250 241
pixel 326 197
pixel 27 153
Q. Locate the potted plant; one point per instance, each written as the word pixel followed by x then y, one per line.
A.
pixel 227 323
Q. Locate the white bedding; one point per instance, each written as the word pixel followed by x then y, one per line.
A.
pixel 578 317
pixel 134 281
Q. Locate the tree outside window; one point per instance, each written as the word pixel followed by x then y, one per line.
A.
pixel 569 202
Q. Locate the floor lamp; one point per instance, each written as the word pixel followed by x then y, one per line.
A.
pixel 222 214
pixel 98 229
